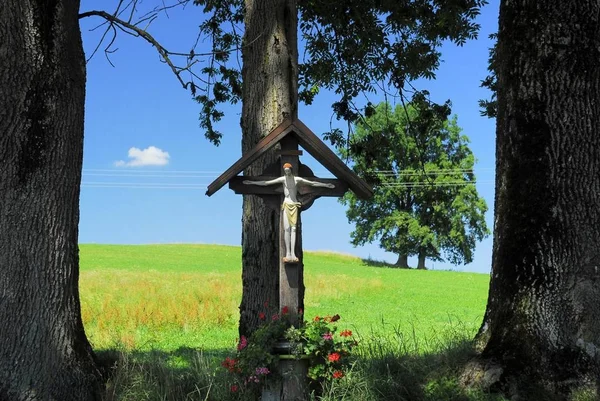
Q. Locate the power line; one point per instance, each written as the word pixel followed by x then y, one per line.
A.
pixel 152 171
pixel 147 175
pixel 141 187
pixel 203 174
pixel 390 173
pixel 435 170
pixel 140 183
pixel 426 184
pixel 204 187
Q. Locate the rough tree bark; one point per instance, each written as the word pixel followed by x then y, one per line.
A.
pixel 44 353
pixel 542 322
pixel 270 76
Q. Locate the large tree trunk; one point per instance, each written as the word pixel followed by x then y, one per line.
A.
pixel 421 261
pixel 542 322
pixel 44 353
pixel 402 261
pixel 270 76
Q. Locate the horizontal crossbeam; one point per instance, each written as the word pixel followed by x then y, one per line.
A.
pixel 239 188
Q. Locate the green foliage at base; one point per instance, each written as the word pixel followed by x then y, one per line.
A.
pixel 385 369
pixel 317 343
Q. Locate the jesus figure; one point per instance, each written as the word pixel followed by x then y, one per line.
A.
pixel 290 206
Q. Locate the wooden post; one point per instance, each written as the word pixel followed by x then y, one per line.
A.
pixel 291 277
pixel 291 288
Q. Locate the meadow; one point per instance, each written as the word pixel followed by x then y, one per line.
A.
pixel 169 313
pixel 171 296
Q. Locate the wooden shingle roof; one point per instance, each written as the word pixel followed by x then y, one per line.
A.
pixel 311 143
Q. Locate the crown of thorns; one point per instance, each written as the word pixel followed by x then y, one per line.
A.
pixel 287 165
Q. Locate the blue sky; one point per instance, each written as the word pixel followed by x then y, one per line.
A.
pixel 147 163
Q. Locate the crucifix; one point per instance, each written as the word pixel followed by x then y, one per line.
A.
pixel 290 208
pixel 290 187
pixel 272 186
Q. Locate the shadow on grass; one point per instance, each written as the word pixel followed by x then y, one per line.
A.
pixel 385 369
pixel 389 371
pixel 377 263
pixel 180 375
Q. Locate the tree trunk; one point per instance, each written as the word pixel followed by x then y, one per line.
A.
pixel 542 321
pixel 44 353
pixel 270 77
pixel 402 261
pixel 421 263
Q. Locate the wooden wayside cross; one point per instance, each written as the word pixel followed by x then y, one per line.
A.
pixel 289 186
pixel 291 190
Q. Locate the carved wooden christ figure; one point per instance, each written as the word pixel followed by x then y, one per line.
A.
pixel 290 205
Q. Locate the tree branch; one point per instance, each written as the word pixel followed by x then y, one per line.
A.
pixel 135 30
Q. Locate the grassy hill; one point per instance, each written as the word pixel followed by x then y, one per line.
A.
pixel 170 296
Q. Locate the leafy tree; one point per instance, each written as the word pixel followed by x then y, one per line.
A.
pixel 421 168
pixel 541 328
pixel 44 353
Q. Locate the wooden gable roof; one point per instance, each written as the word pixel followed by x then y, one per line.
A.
pixel 311 143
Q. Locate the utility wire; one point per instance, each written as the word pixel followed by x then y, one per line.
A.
pixel 147 175
pixel 179 175
pixel 204 174
pixel 140 187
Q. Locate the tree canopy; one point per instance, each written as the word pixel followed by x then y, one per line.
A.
pixel 421 168
pixel 351 47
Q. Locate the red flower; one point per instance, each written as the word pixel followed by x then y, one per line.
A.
pixel 234 388
pixel 338 374
pixel 275 317
pixel 317 318
pixel 335 318
pixel 300 311
pixel 243 343
pixel 261 316
pixel 333 357
pixel 285 310
pixel 346 333
pixel 229 364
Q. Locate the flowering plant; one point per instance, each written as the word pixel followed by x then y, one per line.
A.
pixel 318 341
pixel 326 350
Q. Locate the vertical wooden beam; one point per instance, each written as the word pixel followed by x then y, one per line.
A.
pixel 291 275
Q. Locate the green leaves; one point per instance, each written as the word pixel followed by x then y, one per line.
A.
pixel 421 168
pixel 221 82
pixel 352 47
pixel 357 45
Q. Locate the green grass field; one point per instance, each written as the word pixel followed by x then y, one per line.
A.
pixel 142 297
pixel 163 317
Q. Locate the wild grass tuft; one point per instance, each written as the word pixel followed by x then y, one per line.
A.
pixel 181 375
pixel 399 366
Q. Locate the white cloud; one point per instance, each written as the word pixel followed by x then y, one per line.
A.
pixel 151 156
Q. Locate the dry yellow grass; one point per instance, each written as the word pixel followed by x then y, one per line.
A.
pixel 121 307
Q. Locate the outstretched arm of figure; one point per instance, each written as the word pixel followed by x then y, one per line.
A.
pixel 314 183
pixel 278 180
